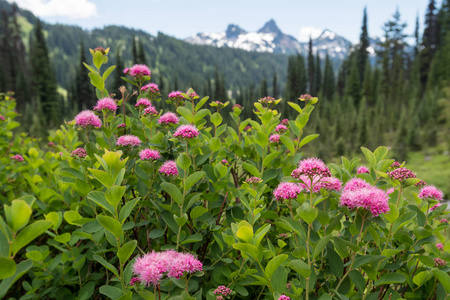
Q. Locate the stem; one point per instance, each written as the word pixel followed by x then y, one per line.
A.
pixel 307 240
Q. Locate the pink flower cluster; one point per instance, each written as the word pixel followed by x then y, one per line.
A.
pixel 362 169
pixel 280 128
pixel 106 104
pixel 435 206
pixel 439 262
pixel 286 191
pixel 305 97
pixel 311 167
pixel 175 95
pixel 151 267
pixel 431 192
pixel 79 152
pixel 151 111
pixel 137 71
pixel 134 280
pixel 186 132
pixel 444 221
pixel 225 162
pixel 358 193
pixel 285 122
pixel 267 100
pixel 401 174
pixel 237 106
pixel 169 168
pixel 88 118
pixel 143 102
pixel 168 118
pixel 123 125
pixel 17 157
pixel 128 140
pixel 284 297
pixel 152 88
pixel 149 154
pixel 421 183
pixel 193 95
pixel 274 138
pixel 440 246
pixel 253 180
pixel 327 183
pixel 2 118
pixel 222 291
pixel 395 165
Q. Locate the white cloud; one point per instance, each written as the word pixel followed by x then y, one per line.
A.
pixel 73 9
pixel 307 31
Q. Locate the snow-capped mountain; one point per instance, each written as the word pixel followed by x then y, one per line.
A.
pixel 271 39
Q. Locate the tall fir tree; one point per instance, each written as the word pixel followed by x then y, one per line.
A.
pixel 141 59
pixel 328 87
pixel 429 42
pixel 311 67
pixel 134 55
pixel 275 86
pixel 44 82
pixel 118 82
pixel 416 38
pixel 353 88
pixel 364 44
pixel 317 76
pixel 263 91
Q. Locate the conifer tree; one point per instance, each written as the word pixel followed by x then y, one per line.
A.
pixel 417 38
pixel 141 59
pixel 317 76
pixel 263 91
pixel 353 87
pixel 118 82
pixel 275 86
pixel 364 43
pixel 134 55
pixel 311 69
pixel 429 42
pixel 328 87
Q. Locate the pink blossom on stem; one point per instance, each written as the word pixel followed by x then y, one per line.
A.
pixel 17 157
pixel 435 206
pixel 128 140
pixel 186 131
pixel 137 71
pixel 355 184
pixel 79 152
pixel 280 128
pixel 134 280
pixel 169 168
pixel 401 174
pixel 149 154
pixel 439 262
pixel 253 180
pixel 284 297
pixel 274 138
pixel 444 221
pixel 150 111
pixel 123 125
pixel 237 106
pixel 2 118
pixel 362 169
pixel 222 291
pixel 395 165
pixel 106 104
pixel 175 95
pixel 311 167
pixel 286 191
pixel 431 192
pixel 168 118
pixel 152 88
pixel 327 183
pixel 88 118
pixel 143 102
pixel 440 246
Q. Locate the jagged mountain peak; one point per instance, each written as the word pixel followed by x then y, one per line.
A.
pixel 327 34
pixel 233 31
pixel 270 27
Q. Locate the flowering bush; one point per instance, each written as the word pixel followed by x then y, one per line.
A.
pixel 182 206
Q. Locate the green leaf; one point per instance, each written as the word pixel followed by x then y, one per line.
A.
pixel 104 178
pixel 197 211
pixel 173 191
pixel 127 209
pixel 402 219
pixel 7 267
pixel 201 103
pixel 248 250
pixel 127 296
pixel 274 263
pixel 63 238
pixel 181 220
pixel 184 161
pixel 443 278
pixel 108 72
pixel 18 214
pixel 200 115
pixel 28 234
pixel 126 251
pixel 193 179
pixel 186 113
pixel 295 106
pixel 111 291
pixel 365 260
pixel 307 213
pixel 98 59
pixel 112 225
pixel 106 264
pixel 215 144
pixel 86 291
pixel 370 157
pixel 308 139
pixel 302 119
pixel 97 81
pixel 393 214
pixel 100 199
pixel 71 216
pixel 261 139
pixel 358 280
pixel 216 119
pixel 90 68
pixel 287 141
pixel 114 195
pixel 381 152
pixel 421 277
pixel 268 159
pixel 251 169
pixel 21 269
pixel 192 239
pixel 321 245
pixel 390 278
pixel 245 233
pixel 300 267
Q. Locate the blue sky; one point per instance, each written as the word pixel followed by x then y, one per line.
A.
pixel 182 18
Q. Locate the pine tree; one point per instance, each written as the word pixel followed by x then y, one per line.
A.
pixel 134 49
pixel 429 42
pixel 43 77
pixel 353 88
pixel 311 69
pixel 417 38
pixel 263 91
pixel 275 86
pixel 118 82
pixel 328 87
pixel 84 92
pixel 141 53
pixel 317 76
pixel 364 43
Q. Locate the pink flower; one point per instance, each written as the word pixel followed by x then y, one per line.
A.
pixel 128 140
pixel 395 165
pixel 330 183
pixel 253 180
pixel 17 157
pixel 151 267
pixel 305 97
pixel 222 291
pixel 152 88
pixel 192 95
pixel 274 138
pixel 280 128
pixel 435 206
pixel 237 106
pixel 88 118
pixel 287 190
pixel 248 128
pixel 149 154
pixel 362 169
pixel 106 104
pixel 151 111
pixel 327 183
pixel 439 262
pixel 267 100
pixel 51 144
pixel 137 71
pixel 134 280
pixel 143 102
pixel 444 221
pixel 79 152
pixel 2 118
pixel 285 122
pixel 225 162
pixel 123 125
pixel 175 95
pixel 311 167
pixel 359 194
pixel 401 174
pixel 186 131
pixel 168 118
pixel 169 168
pixel 431 192
pixel 440 246
pixel 284 297
pixel 390 191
